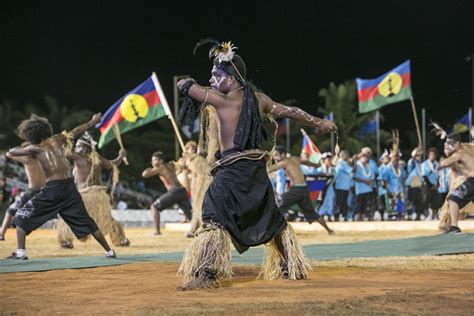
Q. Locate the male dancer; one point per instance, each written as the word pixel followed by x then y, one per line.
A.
pixel 176 193
pixel 59 195
pixel 240 203
pixel 88 166
pixel 298 193
pixel 35 182
pixel 461 157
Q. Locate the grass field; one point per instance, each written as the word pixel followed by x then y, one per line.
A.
pixel 430 285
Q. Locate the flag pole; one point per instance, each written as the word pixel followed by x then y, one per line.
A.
pixel 423 130
pixel 470 123
pixel 418 133
pixel 166 107
pixel 118 136
pixel 331 115
pixel 377 122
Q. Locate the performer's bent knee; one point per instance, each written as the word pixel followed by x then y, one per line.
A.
pixel 457 200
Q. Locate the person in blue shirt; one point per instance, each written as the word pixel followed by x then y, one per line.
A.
pixel 392 180
pixel 429 170
pixel 382 192
pixel 364 178
pixel 326 168
pixel 307 170
pixel 375 169
pixel 414 182
pixel 342 183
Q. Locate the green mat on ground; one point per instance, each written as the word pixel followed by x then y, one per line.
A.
pixel 408 247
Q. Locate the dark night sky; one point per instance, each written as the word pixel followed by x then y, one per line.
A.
pixel 89 56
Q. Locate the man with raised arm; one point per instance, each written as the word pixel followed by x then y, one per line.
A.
pixel 239 205
pixel 59 195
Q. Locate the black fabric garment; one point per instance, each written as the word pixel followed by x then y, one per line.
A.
pixel 175 195
pixel 464 193
pixel 299 195
pixel 58 196
pixel 24 197
pixel 241 199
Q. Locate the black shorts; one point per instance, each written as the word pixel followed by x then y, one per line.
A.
pixel 464 193
pixel 57 197
pixel 298 195
pixel 24 197
pixel 175 195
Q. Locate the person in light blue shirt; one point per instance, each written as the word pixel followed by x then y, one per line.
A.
pixel 429 170
pixel 342 185
pixel 326 168
pixel 364 178
pixel 414 182
pixel 392 178
pixel 385 160
pixel 307 170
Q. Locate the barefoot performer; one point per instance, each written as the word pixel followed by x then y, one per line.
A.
pixel 299 192
pixel 59 195
pixel 35 183
pixel 460 156
pixel 239 205
pixel 88 166
pixel 176 192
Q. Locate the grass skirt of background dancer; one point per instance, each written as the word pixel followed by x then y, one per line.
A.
pixel 200 182
pixel 207 261
pixel 97 203
pixel 294 267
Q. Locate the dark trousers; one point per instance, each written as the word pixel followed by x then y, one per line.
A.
pixel 415 196
pixel 341 202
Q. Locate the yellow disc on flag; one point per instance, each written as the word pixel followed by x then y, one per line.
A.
pixel 390 85
pixel 133 107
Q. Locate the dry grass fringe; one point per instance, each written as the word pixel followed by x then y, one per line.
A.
pixel 209 251
pixel 297 264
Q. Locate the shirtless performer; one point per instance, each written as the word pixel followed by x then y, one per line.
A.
pixel 35 183
pixel 59 195
pixel 239 205
pixel 88 166
pixel 460 156
pixel 176 193
pixel 298 193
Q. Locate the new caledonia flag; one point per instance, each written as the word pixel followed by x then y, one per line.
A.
pixel 393 86
pixel 138 107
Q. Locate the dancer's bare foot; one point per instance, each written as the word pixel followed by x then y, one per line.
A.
pixel 196 284
pixel 124 242
pixel 67 245
pixel 331 233
pixel 157 233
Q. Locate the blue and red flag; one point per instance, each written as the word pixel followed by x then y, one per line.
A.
pixel 310 148
pixel 393 86
pixel 138 107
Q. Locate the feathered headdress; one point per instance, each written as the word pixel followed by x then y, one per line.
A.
pixel 438 130
pixel 395 143
pixel 220 51
pixel 223 51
